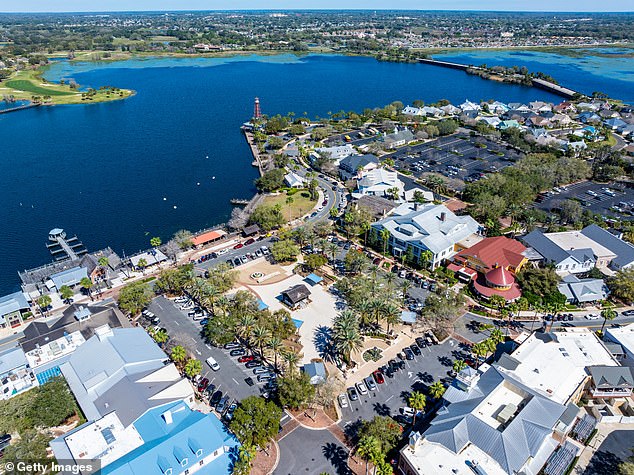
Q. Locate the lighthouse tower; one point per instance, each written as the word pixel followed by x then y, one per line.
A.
pixel 257 113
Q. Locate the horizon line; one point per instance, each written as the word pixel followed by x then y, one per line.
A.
pixel 316 10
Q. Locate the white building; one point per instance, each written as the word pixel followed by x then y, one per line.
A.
pixel 293 180
pixel 510 417
pixel 426 227
pixel 337 153
pixel 624 336
pixel 377 182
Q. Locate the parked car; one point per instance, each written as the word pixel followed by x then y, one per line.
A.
pixel 249 381
pixel 204 321
pixel 263 378
pixel 5 440
pixel 246 358
pixel 253 364
pixel 420 341
pixel 238 352
pixel 408 353
pixel 361 387
pixel 343 401
pixel 591 316
pixel 352 394
pixel 415 349
pixel 222 405
pixel 215 398
pixel 202 385
pixel 260 370
pixel 369 382
pixel 378 377
pixel 628 313
pixel 232 346
pixel 249 241
pixel 238 246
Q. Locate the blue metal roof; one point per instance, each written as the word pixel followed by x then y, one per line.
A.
pixel 262 305
pixel 69 276
pixel 181 444
pixel 408 317
pixel 298 323
pixel 313 279
pixel 13 302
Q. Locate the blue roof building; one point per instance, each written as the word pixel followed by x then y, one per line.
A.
pixel 69 277
pixel 178 440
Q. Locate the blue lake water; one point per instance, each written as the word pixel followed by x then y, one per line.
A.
pixel 613 75
pixel 102 171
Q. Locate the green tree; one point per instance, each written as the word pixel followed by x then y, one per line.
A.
pixel 275 143
pixel 459 365
pixel 315 261
pixel 346 335
pixel 184 239
pixel 622 285
pixel 87 284
pixel 284 250
pixel 607 314
pixel 66 293
pixel 436 390
pixel 385 430
pixel 192 368
pixel 160 336
pixel 256 421
pixel 142 264
pixel 267 217
pixel 155 241
pixel 271 180
pixel 369 449
pixel 44 302
pixel 178 354
pixel 295 390
pixel 135 297
pixel 417 401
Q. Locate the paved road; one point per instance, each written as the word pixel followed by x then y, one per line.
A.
pixel 307 451
pixel 186 332
pixel 418 374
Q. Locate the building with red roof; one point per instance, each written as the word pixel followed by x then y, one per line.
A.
pixel 491 265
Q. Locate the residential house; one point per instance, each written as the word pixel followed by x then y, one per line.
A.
pixel 508 124
pixel 470 106
pixel 624 251
pixel 351 166
pixel 624 336
pixel 589 118
pixel 413 111
pixel 540 107
pixel 561 119
pixel 496 107
pixel 615 123
pixel 490 121
pixel 418 228
pixel 379 182
pixel 450 109
pixel 336 153
pixel 611 381
pixel 581 291
pixel 539 121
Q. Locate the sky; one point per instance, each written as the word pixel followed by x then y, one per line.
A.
pixel 158 5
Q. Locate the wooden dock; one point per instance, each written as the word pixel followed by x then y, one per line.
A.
pixel 19 108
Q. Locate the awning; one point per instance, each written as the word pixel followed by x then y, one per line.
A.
pixel 408 317
pixel 462 270
pixel 298 323
pixel 262 305
pixel 313 279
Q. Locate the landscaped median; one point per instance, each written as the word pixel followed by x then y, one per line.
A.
pixel 29 85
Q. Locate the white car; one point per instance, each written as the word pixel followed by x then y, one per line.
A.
pixel 362 388
pixel 343 401
pixel 222 251
pixel 592 317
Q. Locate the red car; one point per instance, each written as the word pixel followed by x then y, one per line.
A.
pixel 246 358
pixel 378 377
pixel 238 246
pixel 202 385
pixel 249 241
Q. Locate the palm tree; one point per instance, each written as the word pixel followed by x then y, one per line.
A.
pixel 607 314
pixel 291 358
pixel 104 263
pixel 289 202
pixel 332 250
pixel 404 286
pixel 275 345
pixel 87 284
pixel 160 337
pixel 178 354
pixel 43 302
pixel 347 338
pixel 142 264
pixel 416 401
pixel 385 237
pixel 479 350
pixel 367 449
pixel 497 336
pixel 425 258
pixel 459 365
pixel 245 326
pixel 155 242
pixel 66 293
pixel 260 336
pixel 391 314
pixel 436 390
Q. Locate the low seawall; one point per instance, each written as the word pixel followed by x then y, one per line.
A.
pixel 540 83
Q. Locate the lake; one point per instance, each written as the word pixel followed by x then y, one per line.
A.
pixel 607 70
pixel 117 174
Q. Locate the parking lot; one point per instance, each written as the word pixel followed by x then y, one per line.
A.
pixel 184 331
pixel 434 364
pixel 457 156
pixel 610 200
pixel 231 254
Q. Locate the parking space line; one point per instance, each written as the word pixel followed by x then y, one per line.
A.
pixel 234 380
pixel 389 398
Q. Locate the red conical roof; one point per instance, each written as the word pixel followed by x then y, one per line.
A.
pixel 500 277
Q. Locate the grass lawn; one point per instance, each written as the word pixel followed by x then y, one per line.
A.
pixel 27 83
pixel 300 206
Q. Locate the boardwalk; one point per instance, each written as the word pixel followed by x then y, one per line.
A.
pixel 19 108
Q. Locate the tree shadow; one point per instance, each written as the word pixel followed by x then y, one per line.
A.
pixel 425 377
pixel 337 456
pixel 603 463
pixel 324 343
pixel 381 409
pixel 351 432
pixel 405 395
pixel 445 360
pixel 473 326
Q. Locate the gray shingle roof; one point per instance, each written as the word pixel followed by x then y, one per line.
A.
pixel 623 250
pixel 353 162
pixel 612 376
